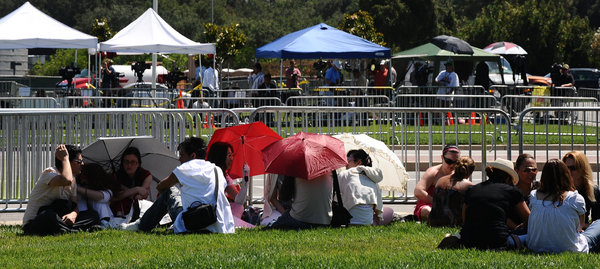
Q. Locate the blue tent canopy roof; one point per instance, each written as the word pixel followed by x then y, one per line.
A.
pixel 322 41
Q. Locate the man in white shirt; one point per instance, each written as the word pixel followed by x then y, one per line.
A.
pixel 195 178
pixel 210 79
pixel 447 80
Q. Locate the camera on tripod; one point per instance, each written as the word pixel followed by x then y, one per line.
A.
pixel 173 77
pixel 139 68
pixel 68 73
pixel 321 67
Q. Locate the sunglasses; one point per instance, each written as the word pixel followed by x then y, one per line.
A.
pixel 450 161
pixel 78 161
pixel 572 168
pixel 530 169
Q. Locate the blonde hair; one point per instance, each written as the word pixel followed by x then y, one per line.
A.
pixel 583 165
pixel 464 168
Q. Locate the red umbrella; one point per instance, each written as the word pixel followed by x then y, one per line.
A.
pixel 505 48
pixel 305 155
pixel 248 141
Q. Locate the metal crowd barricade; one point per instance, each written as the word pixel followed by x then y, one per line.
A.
pixel 588 92
pixel 515 104
pixel 351 90
pixel 29 102
pixel 29 137
pixel 344 100
pixel 230 102
pixel 100 101
pixel 461 90
pixel 418 145
pixel 546 137
pixel 432 100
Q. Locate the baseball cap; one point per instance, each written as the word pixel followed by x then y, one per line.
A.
pixel 337 64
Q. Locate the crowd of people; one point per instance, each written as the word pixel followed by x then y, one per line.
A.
pixel 73 196
pixel 511 210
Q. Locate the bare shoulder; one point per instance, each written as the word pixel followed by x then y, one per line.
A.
pixel 430 175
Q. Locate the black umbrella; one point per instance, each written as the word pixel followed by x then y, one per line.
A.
pixel 452 44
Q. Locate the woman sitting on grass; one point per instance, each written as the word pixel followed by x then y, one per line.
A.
pixel 135 185
pixel 360 191
pixel 487 205
pixel 95 188
pixel 557 215
pixel 583 179
pixel 448 197
pixel 221 154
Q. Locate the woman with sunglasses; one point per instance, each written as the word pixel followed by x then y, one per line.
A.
pixel 526 168
pixel 581 172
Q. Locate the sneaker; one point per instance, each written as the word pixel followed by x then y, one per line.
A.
pixel 450 242
pixel 134 226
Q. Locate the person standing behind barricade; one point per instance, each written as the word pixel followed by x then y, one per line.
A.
pixel 267 90
pixel 381 75
pixel 425 188
pixel 293 75
pixel 108 77
pixel 482 75
pixel 52 206
pixel 257 77
pixel 446 80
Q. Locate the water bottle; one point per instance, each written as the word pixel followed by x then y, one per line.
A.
pixel 246 172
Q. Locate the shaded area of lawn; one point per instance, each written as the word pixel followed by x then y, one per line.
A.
pixel 397 245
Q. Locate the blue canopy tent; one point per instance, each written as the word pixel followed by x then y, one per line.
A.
pixel 322 41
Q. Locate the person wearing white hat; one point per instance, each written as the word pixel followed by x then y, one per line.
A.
pixel 381 74
pixel 486 208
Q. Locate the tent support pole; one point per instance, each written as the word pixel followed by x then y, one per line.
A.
pixel 281 73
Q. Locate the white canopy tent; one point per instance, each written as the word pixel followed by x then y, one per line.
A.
pixel 28 27
pixel 149 33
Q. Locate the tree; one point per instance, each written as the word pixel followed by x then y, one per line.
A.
pixel 101 30
pixel 63 57
pixel 229 40
pixel 545 29
pixel 361 24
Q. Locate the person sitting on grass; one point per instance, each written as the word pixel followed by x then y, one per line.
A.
pixel 426 186
pixel 486 206
pixel 311 203
pixel 448 198
pixel 221 154
pixel 196 179
pixel 52 206
pixel 360 191
pixel 135 185
pixel 557 215
pixel 583 179
pixel 95 188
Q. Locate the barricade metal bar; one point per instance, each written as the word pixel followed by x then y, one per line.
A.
pixel 230 102
pixel 461 90
pixel 346 100
pixel 433 100
pixel 106 102
pixel 29 136
pixel 29 102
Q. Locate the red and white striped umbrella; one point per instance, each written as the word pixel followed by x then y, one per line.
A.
pixel 505 48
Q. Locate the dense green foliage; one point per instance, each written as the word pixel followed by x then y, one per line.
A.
pixel 552 31
pixel 399 245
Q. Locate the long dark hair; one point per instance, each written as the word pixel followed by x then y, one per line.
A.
pixel 555 180
pixel 359 154
pixel 96 178
pixel 217 154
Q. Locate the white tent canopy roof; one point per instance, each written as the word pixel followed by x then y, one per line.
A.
pixel 28 27
pixel 151 34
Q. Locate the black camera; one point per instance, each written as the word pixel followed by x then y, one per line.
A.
pixel 321 67
pixel 68 73
pixel 139 68
pixel 173 77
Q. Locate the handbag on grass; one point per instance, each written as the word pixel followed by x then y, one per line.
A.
pixel 200 215
pixel 341 216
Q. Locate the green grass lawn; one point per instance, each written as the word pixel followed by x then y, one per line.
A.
pixel 395 246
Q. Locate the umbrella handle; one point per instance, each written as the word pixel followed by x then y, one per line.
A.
pixel 246 172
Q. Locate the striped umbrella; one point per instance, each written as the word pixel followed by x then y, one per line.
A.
pixel 505 48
